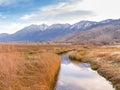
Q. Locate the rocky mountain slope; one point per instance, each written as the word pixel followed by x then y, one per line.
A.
pixel 107 32
pixel 103 32
pixel 45 33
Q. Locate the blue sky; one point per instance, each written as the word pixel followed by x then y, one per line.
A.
pixel 16 14
pixel 13 9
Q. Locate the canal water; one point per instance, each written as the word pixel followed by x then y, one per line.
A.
pixel 80 76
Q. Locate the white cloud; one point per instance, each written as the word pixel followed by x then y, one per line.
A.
pixel 70 11
pixel 11 27
pixel 27 17
pixel 75 10
pixel 62 12
pixel 105 9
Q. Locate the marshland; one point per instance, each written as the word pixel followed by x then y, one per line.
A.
pixel 38 66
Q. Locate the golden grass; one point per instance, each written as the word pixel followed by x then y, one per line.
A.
pixel 27 67
pixel 9 65
pixel 105 60
pixel 38 72
pixel 34 66
pixel 118 58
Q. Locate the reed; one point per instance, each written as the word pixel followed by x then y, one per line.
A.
pixel 27 67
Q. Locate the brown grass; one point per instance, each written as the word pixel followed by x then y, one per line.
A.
pixel 27 67
pixel 9 65
pixel 38 72
pixel 105 60
pixel 34 66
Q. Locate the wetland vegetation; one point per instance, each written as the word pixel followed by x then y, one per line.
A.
pixel 36 66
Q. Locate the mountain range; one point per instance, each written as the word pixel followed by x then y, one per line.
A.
pixel 103 32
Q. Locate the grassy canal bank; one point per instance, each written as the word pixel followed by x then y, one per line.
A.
pixel 106 60
pixel 35 66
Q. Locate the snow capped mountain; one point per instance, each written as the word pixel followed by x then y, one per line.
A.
pixel 106 21
pixel 33 27
pixel 102 33
pixel 56 26
pixel 82 25
pixel 43 27
pixel 44 33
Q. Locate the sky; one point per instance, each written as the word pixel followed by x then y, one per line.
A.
pixel 17 14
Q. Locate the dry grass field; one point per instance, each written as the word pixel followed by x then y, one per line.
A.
pixel 27 67
pixel 35 66
pixel 104 59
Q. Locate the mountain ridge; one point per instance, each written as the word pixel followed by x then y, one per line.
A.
pixel 104 33
pixel 56 32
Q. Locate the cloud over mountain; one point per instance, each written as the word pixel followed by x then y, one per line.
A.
pixel 26 12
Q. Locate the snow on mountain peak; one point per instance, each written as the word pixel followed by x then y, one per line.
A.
pixel 106 21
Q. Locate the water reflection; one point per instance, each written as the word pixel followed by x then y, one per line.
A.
pixel 79 76
pixel 65 59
